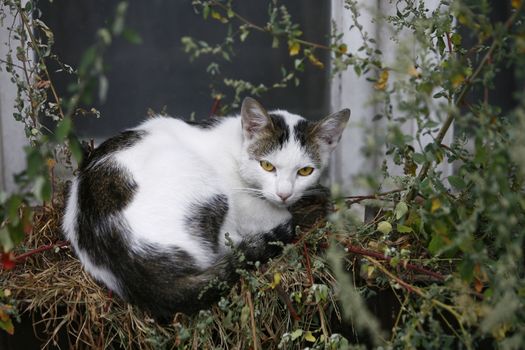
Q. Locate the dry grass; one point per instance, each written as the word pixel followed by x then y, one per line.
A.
pixel 53 285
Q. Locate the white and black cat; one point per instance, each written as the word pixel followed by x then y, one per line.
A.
pixel 148 212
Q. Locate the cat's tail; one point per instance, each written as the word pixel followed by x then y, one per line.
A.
pixel 197 290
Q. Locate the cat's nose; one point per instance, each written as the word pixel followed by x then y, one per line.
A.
pixel 284 196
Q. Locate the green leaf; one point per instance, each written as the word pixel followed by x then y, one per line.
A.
pixel 296 334
pixel 5 240
pixel 63 128
pixel 12 205
pixel 132 36
pixel 457 182
pixel 104 35
pixel 466 270
pixel 245 314
pixel 385 227
pixel 118 23
pixel 400 210
pixel 419 158
pixel 35 163
pixel 75 148
pixel 103 85
pixel 244 35
pixel 7 325
pixel 87 60
pixel 16 233
pixel 206 11
pixel 456 39
pixel 404 229
pixel 436 244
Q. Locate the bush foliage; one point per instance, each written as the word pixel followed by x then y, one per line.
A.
pixel 449 248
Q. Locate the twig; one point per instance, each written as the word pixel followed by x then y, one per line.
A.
pixel 308 266
pixel 252 320
pixel 408 266
pixel 286 299
pixel 41 59
pixel 410 288
pixel 356 199
pixel 58 244
pixel 215 107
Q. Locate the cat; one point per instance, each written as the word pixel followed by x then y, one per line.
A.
pixel 149 211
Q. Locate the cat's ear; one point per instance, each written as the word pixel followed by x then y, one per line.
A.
pixel 254 118
pixel 328 131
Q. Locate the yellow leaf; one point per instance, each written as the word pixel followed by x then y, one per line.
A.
pixel 216 15
pixel 516 3
pixel 413 72
pixel 308 336
pixel 382 81
pixel 294 48
pixel 436 204
pixel 370 271
pixel 51 163
pixel 457 80
pixel 341 50
pixel 315 61
pixel 276 280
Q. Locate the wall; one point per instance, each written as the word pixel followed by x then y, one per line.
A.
pixel 12 136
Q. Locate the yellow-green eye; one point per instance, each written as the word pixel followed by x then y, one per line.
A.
pixel 307 170
pixel 267 165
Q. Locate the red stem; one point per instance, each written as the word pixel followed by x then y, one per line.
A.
pixel 215 107
pixel 408 266
pixel 43 248
pixel 308 266
pixel 284 296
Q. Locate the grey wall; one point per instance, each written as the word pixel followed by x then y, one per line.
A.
pixel 12 136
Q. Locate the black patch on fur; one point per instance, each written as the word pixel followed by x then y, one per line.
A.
pixel 122 141
pixel 205 219
pixel 281 131
pixel 104 188
pixel 272 138
pixel 303 133
pixel 261 247
pixel 208 123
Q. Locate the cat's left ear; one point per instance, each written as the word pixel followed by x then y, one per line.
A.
pixel 329 130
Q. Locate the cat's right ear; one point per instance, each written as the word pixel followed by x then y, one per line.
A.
pixel 254 118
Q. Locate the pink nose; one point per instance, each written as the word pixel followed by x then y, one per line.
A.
pixel 284 196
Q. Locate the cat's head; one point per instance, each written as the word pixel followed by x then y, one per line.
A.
pixel 284 154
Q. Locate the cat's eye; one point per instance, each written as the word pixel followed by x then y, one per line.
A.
pixel 307 170
pixel 267 165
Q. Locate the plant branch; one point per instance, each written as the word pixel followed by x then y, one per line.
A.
pixel 417 268
pixel 418 291
pixel 252 320
pixel 356 199
pixel 25 21
pixel 268 30
pixel 468 85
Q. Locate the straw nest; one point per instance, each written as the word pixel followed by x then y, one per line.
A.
pixel 267 302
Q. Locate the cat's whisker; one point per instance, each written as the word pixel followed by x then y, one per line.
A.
pixel 254 191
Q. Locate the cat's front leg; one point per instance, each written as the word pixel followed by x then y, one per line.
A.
pixel 266 245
